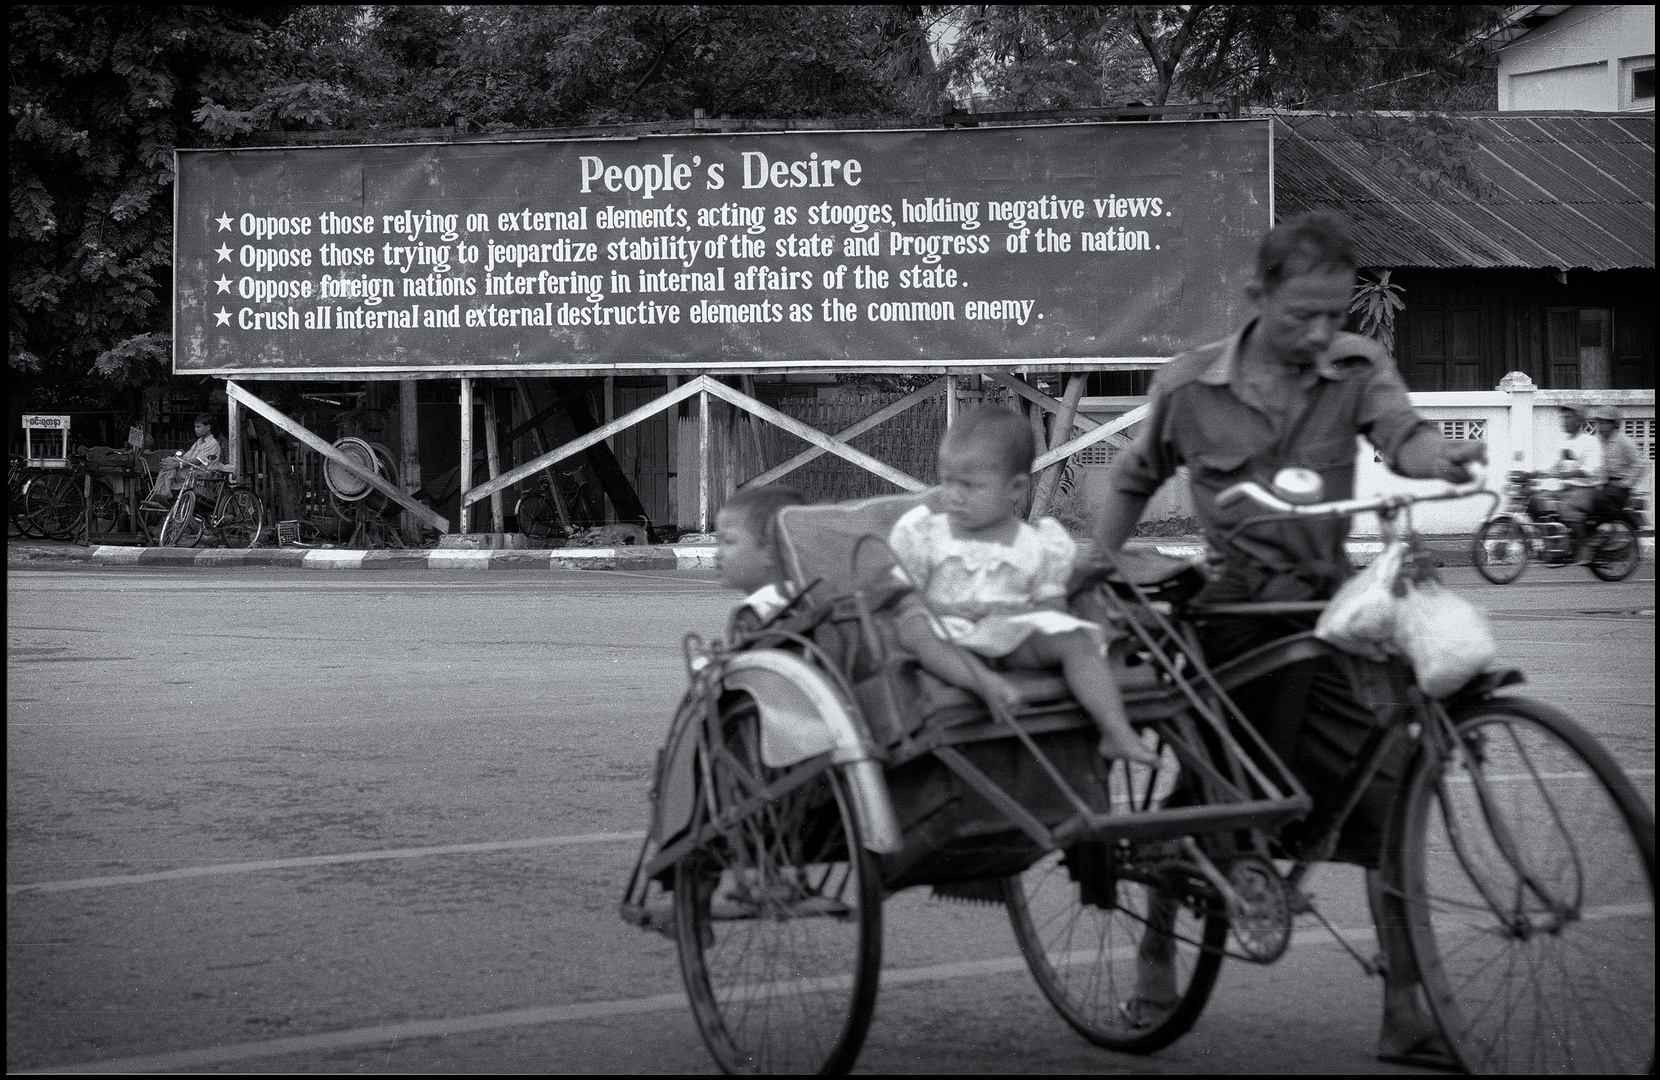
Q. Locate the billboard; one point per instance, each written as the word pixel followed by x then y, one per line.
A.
pixel 918 249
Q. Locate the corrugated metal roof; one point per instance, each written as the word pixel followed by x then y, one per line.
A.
pixel 1558 191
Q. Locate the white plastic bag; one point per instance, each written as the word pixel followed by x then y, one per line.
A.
pixel 1446 638
pixel 1361 618
pixel 1389 610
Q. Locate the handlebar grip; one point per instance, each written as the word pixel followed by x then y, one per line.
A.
pixel 1255 492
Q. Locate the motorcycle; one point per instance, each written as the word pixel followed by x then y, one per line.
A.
pixel 1530 527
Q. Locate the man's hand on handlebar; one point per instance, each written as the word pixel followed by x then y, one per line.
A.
pixel 1457 454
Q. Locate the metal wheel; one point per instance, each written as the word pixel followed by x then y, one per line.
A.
pixel 779 919
pixel 244 521
pixel 182 528
pixel 54 505
pixel 1499 550
pixel 1617 553
pixel 537 518
pixel 1527 871
pixel 1082 921
pixel 107 508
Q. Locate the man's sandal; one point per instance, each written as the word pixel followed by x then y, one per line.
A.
pixel 1429 1052
pixel 1140 1012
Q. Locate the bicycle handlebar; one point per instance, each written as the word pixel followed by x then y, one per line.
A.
pixel 1266 499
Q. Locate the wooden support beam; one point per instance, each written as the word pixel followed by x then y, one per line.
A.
pixel 1105 432
pixel 1039 398
pixel 492 458
pixel 373 479
pixel 703 458
pixel 1060 433
pixel 466 453
pixel 813 435
pixel 233 440
pixel 576 446
pixel 950 401
pixel 881 416
pixel 409 452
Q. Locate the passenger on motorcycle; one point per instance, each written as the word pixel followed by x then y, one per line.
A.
pixel 1622 463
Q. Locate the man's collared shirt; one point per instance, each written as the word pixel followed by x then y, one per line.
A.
pixel 1209 415
pixel 1622 462
pixel 1581 454
pixel 204 451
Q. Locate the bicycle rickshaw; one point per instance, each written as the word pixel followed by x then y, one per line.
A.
pixel 811 771
pixel 212 499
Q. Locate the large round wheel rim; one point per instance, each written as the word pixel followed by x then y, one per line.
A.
pixel 1553 976
pixel 1500 551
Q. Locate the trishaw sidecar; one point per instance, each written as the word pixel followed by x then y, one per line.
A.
pixel 812 770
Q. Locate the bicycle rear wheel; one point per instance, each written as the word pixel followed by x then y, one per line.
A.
pixel 107 508
pixel 244 520
pixel 1082 949
pixel 779 919
pixel 54 505
pixel 1528 880
pixel 537 519
pixel 1499 551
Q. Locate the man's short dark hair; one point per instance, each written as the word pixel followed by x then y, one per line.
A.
pixel 758 508
pixel 1002 431
pixel 1304 243
pixel 207 418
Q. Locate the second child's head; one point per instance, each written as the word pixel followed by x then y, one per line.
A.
pixel 985 468
pixel 746 536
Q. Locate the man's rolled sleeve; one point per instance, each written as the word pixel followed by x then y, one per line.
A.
pixel 1139 471
pixel 1411 445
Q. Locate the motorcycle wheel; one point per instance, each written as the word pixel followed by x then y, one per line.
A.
pixel 1500 551
pixel 1617 552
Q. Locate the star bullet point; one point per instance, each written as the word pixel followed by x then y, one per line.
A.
pixel 223 316
pixel 224 253
pixel 224 222
pixel 224 284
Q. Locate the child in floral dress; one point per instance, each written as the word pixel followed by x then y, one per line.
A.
pixel 996 585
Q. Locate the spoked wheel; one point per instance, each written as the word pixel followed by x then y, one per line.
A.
pixel 1499 551
pixel 54 505
pixel 537 519
pixel 107 509
pixel 244 521
pixel 1081 927
pixel 182 529
pixel 779 920
pixel 1616 553
pixel 1528 880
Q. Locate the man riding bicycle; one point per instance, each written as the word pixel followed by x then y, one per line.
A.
pixel 1622 463
pixel 1292 389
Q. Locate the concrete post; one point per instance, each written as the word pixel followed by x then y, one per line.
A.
pixel 463 511
pixel 1521 391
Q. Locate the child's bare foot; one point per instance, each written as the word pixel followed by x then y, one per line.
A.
pixel 1124 746
pixel 999 689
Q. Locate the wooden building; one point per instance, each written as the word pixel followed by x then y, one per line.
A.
pixel 1545 267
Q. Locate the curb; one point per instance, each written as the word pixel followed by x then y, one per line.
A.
pixel 1450 552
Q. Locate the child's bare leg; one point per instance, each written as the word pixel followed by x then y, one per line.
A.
pixel 955 666
pixel 1090 681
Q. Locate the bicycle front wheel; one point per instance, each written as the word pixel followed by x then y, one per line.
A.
pixel 1528 880
pixel 1499 551
pixel 1616 553
pixel 182 528
pixel 537 519
pixel 244 520
pixel 778 919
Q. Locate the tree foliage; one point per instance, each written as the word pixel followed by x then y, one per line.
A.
pixel 102 95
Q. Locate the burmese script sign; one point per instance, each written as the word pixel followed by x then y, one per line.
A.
pixel 704 252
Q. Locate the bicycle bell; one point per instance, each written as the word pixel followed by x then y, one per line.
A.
pixel 1299 486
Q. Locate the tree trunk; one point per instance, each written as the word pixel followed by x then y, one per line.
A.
pixel 599 456
pixel 285 491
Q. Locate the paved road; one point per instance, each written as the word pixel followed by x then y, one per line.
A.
pixel 378 822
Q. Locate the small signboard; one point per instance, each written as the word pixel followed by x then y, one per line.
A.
pixel 49 450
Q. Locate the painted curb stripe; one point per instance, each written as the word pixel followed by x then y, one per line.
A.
pixel 328 559
pixel 321 860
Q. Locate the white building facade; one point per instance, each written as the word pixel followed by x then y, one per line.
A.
pixel 1590 57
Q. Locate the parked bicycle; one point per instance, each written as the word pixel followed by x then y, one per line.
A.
pixel 1530 527
pixel 557 511
pixel 235 517
pixel 53 503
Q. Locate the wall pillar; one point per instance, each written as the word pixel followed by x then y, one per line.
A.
pixel 1521 391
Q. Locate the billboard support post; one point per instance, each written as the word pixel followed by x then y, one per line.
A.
pixel 492 459
pixel 464 507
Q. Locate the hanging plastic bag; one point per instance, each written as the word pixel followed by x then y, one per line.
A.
pixel 1445 637
pixel 1361 618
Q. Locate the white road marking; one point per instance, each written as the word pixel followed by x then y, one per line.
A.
pixel 321 860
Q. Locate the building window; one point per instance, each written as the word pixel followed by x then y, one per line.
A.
pixel 1578 340
pixel 1637 83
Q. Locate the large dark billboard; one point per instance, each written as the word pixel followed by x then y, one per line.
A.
pixel 711 252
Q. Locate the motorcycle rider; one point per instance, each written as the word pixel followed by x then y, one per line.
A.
pixel 1622 464
pixel 1579 467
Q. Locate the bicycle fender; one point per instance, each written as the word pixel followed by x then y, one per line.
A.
pixel 1484 686
pixel 802 716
